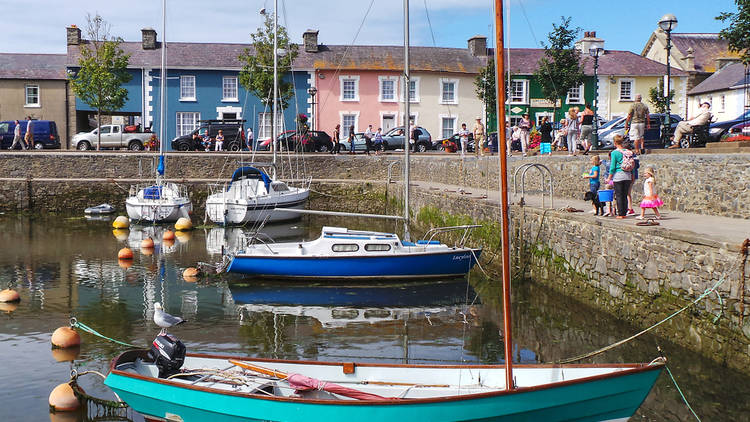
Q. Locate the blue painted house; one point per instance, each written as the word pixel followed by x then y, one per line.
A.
pixel 202 84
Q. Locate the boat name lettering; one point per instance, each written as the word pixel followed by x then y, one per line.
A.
pixel 461 257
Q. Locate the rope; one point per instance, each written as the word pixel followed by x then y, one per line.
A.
pixel 681 393
pixel 621 342
pixel 75 324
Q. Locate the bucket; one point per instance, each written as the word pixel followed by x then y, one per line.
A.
pixel 606 195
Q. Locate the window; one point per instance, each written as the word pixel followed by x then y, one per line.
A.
pixel 414 90
pixel 722 104
pixel 377 247
pixel 626 90
pixel 264 125
pixel 106 130
pixel 448 126
pixel 519 91
pixel 346 121
pixel 32 96
pixel 575 95
pixel 345 247
pixel 448 91
pixel 349 88
pixel 187 88
pixel 229 89
pixel 388 88
pixel 187 122
pixel 515 120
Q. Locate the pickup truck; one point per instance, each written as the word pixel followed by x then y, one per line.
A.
pixel 113 136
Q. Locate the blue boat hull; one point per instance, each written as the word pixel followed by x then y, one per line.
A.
pixel 416 265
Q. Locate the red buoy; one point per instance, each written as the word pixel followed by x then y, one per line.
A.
pixel 147 243
pixel 125 253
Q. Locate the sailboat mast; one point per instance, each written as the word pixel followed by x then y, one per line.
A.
pixel 275 78
pixel 407 131
pixel 504 208
pixel 163 79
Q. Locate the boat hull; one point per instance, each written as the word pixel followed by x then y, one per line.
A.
pixel 450 263
pixel 241 212
pixel 158 211
pixel 608 397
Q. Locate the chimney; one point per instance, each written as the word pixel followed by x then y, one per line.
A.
pixel 310 39
pixel 689 60
pixel 588 42
pixel 478 45
pixel 148 39
pixel 74 35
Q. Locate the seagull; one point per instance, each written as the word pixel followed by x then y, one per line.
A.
pixel 164 320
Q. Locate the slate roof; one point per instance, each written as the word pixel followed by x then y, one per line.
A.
pixel 224 56
pixel 707 48
pixel 32 66
pixel 524 61
pixel 728 76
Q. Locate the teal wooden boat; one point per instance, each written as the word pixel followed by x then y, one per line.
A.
pixel 211 388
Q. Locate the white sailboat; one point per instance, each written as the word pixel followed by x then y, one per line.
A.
pixel 253 194
pixel 161 202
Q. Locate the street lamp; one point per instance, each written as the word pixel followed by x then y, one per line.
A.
pixel 595 53
pixel 668 23
pixel 312 91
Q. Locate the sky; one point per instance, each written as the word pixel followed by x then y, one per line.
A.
pixel 624 25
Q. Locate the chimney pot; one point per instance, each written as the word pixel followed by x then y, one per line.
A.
pixel 74 35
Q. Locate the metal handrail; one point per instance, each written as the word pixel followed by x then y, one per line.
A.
pixel 544 171
pixel 390 170
pixel 438 230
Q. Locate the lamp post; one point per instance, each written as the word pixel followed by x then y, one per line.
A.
pixel 312 91
pixel 667 23
pixel 595 53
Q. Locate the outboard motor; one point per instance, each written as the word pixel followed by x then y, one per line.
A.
pixel 168 353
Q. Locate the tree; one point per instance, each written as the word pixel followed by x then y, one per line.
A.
pixel 560 68
pixel 257 73
pixel 657 99
pixel 738 32
pixel 484 85
pixel 102 71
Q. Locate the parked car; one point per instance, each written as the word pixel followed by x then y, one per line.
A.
pixel 232 129
pixel 394 139
pixel 453 144
pixel 112 136
pixel 359 142
pixel 652 138
pixel 313 140
pixel 44 131
pixel 719 129
pixel 740 128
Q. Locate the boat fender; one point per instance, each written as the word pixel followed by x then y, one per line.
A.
pixel 125 253
pixel 168 353
pixel 9 295
pixel 121 222
pixel 183 224
pixel 65 337
pixel 63 399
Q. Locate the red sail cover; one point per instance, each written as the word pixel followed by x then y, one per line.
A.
pixel 303 383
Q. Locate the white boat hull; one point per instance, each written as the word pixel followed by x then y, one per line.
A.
pixel 168 206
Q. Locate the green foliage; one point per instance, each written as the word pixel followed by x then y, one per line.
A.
pixel 257 73
pixel 560 68
pixel 102 70
pixel 657 99
pixel 484 85
pixel 738 32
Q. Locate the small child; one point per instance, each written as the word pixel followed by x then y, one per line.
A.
pixel 604 166
pixel 593 177
pixel 650 198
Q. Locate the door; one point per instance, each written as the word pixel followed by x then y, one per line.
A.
pixel 389 122
pixel 110 138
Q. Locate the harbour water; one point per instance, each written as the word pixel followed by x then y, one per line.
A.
pixel 69 267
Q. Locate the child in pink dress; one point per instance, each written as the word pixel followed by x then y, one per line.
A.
pixel 650 198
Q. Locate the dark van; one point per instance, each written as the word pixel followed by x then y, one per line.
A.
pixel 234 136
pixel 44 131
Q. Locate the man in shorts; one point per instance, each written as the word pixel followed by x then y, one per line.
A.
pixel 638 122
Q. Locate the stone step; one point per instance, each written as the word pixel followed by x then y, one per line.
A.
pixel 740 146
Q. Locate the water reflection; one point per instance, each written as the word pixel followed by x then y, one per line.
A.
pixel 229 239
pixel 72 269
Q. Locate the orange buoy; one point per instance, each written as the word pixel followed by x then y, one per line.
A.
pixel 191 272
pixel 125 263
pixel 147 251
pixel 125 253
pixel 147 243
pixel 9 295
pixel 168 235
pixel 120 234
pixel 63 399
pixel 66 355
pixel 65 337
pixel 190 279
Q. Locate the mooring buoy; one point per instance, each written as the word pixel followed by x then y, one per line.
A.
pixel 120 234
pixel 168 235
pixel 66 355
pixel 125 253
pixel 147 243
pixel 9 295
pixel 183 224
pixel 183 237
pixel 63 399
pixel 65 337
pixel 121 222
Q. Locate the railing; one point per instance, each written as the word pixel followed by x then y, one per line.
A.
pixel 439 230
pixel 544 172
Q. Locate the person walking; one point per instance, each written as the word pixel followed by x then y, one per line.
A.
pixel 219 144
pixel 351 139
pixel 249 138
pixel 369 134
pixel 650 198
pixel 573 131
pixel 479 137
pixel 686 126
pixel 379 141
pixel 29 137
pixel 587 127
pixel 545 130
pixel 336 140
pixel 525 126
pixel 463 135
pixel 637 123
pixel 17 139
pixel 620 169
pixel 593 176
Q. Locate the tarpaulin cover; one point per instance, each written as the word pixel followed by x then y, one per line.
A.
pixel 303 383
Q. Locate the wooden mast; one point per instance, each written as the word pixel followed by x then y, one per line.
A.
pixel 503 175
